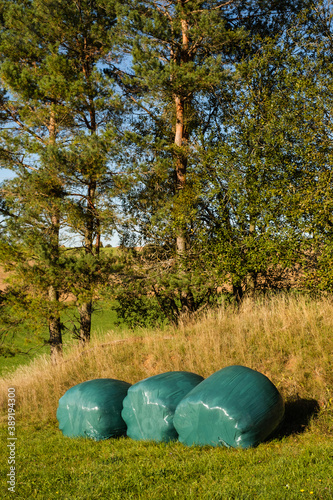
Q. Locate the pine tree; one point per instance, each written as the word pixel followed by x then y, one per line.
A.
pixel 31 129
pixel 52 57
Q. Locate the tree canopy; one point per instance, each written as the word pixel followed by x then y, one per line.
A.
pixel 199 130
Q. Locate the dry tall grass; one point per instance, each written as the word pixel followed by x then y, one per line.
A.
pixel 288 339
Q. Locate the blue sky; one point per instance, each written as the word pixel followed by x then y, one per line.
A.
pixel 5 174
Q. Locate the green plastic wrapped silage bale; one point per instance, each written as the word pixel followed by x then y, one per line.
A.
pixel 150 404
pixel 235 407
pixel 93 409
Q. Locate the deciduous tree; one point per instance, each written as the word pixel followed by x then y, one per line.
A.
pixel 183 81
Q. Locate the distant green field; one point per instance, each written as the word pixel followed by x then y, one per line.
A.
pixel 103 320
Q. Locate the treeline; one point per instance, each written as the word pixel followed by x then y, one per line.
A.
pixel 198 130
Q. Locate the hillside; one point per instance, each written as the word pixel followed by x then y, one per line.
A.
pixel 289 339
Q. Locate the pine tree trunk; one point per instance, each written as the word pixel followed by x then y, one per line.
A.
pixel 92 219
pixel 55 339
pixel 55 329
pixel 180 170
pixel 181 139
pixel 85 322
pixel 85 309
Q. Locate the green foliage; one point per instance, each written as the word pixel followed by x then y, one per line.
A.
pixel 158 288
pixel 258 178
pixel 137 310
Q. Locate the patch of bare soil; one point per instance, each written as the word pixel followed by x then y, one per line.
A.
pixel 3 275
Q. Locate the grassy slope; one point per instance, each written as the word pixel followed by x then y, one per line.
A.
pixel 290 341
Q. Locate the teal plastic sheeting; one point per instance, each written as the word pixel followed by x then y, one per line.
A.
pixel 235 407
pixel 93 409
pixel 149 406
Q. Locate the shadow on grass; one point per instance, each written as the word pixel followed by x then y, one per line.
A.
pixel 298 414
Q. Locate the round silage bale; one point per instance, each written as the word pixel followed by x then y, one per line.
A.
pixel 235 407
pixel 149 406
pixel 93 409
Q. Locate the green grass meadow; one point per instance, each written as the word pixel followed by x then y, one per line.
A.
pixel 51 466
pixel 291 341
